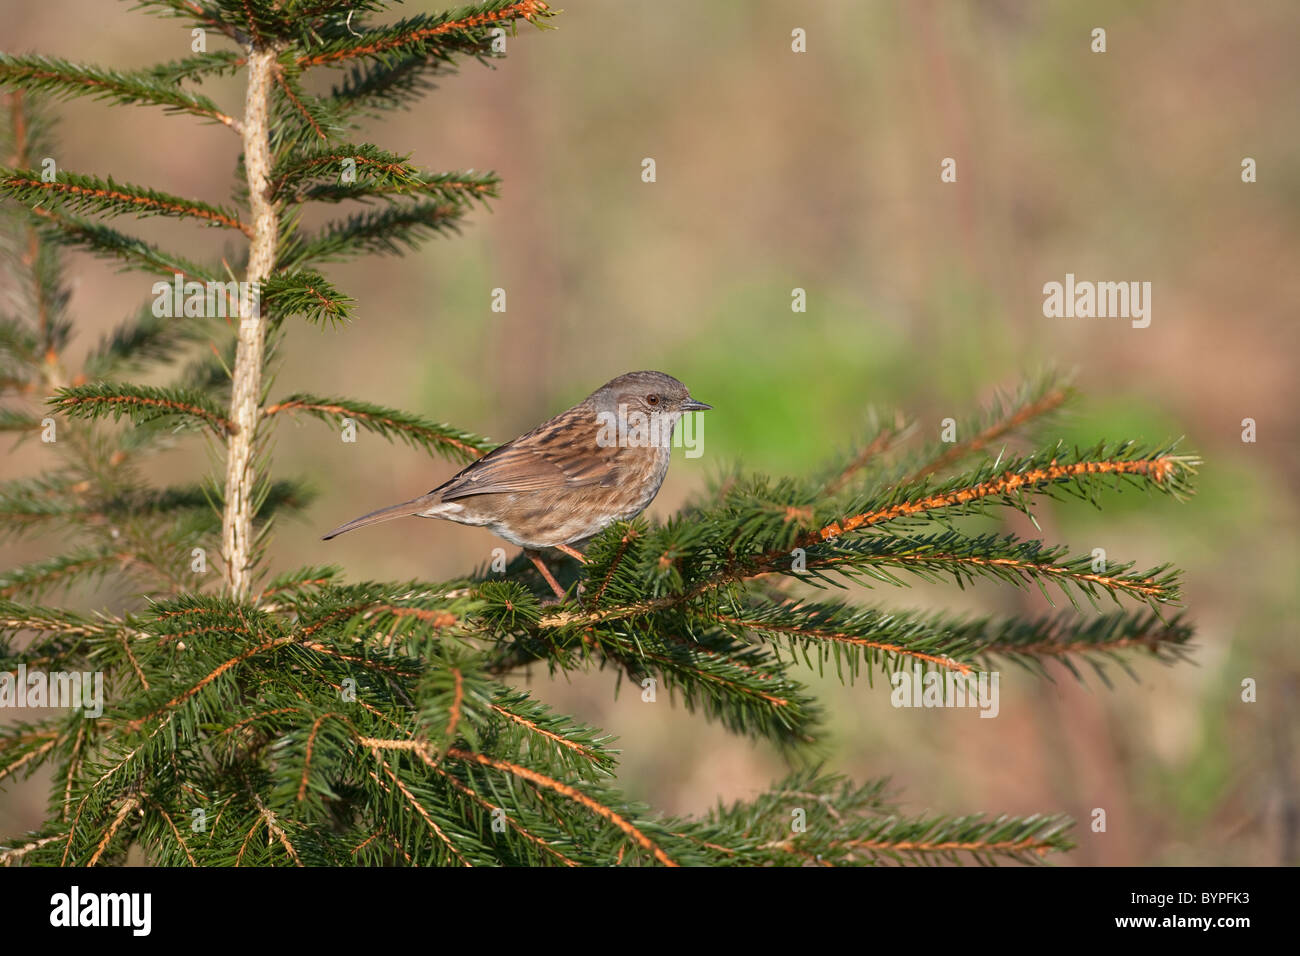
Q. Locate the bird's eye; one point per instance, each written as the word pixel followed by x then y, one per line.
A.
pixel 652 399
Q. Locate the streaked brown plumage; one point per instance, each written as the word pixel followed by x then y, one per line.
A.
pixel 565 480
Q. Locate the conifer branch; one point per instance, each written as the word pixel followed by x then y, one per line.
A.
pixel 29 749
pixel 741 686
pixel 46 298
pixel 390 423
pixel 300 582
pixel 190 692
pixel 393 231
pixel 885 438
pixel 17 853
pixel 62 78
pixel 518 827
pixel 374 167
pixel 847 825
pixel 34 579
pixel 125 809
pixel 307 293
pixel 456 30
pixel 141 403
pixel 28 501
pixel 18 617
pixel 561 735
pixel 273 825
pixel 1094 641
pixel 77 193
pixel 171 824
pixel 374 86
pixel 540 780
pixel 310 113
pixel 1081 472
pixel 76 232
pixel 868 636
pixel 375 747
pixel 12 420
pixel 1006 558
pixel 1166 471
pixel 197 68
pixel 19 342
pixel 205 15
pixel 147 339
pixel 1007 417
pixel 945 839
pixel 452 188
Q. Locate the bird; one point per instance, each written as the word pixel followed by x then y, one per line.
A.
pixel 597 463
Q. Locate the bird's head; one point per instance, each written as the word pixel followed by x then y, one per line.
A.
pixel 648 392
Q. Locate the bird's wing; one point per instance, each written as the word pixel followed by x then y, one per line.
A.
pixel 545 459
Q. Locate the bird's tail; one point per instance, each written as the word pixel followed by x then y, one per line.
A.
pixel 413 507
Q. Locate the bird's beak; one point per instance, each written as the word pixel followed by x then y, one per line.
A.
pixel 691 405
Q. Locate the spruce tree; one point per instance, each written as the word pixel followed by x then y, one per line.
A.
pixel 297 718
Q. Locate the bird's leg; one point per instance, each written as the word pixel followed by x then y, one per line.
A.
pixel 536 558
pixel 581 559
pixel 572 552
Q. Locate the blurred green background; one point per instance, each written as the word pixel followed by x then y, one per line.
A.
pixel 820 170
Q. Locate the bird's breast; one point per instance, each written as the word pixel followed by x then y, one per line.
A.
pixel 640 480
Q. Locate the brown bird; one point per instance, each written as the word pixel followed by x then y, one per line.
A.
pixel 600 462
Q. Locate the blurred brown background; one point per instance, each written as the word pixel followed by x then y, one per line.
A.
pixel 821 170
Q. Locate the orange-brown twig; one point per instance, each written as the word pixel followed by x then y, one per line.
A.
pixel 525 9
pixel 577 796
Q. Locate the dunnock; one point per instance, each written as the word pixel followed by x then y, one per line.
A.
pixel 600 462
